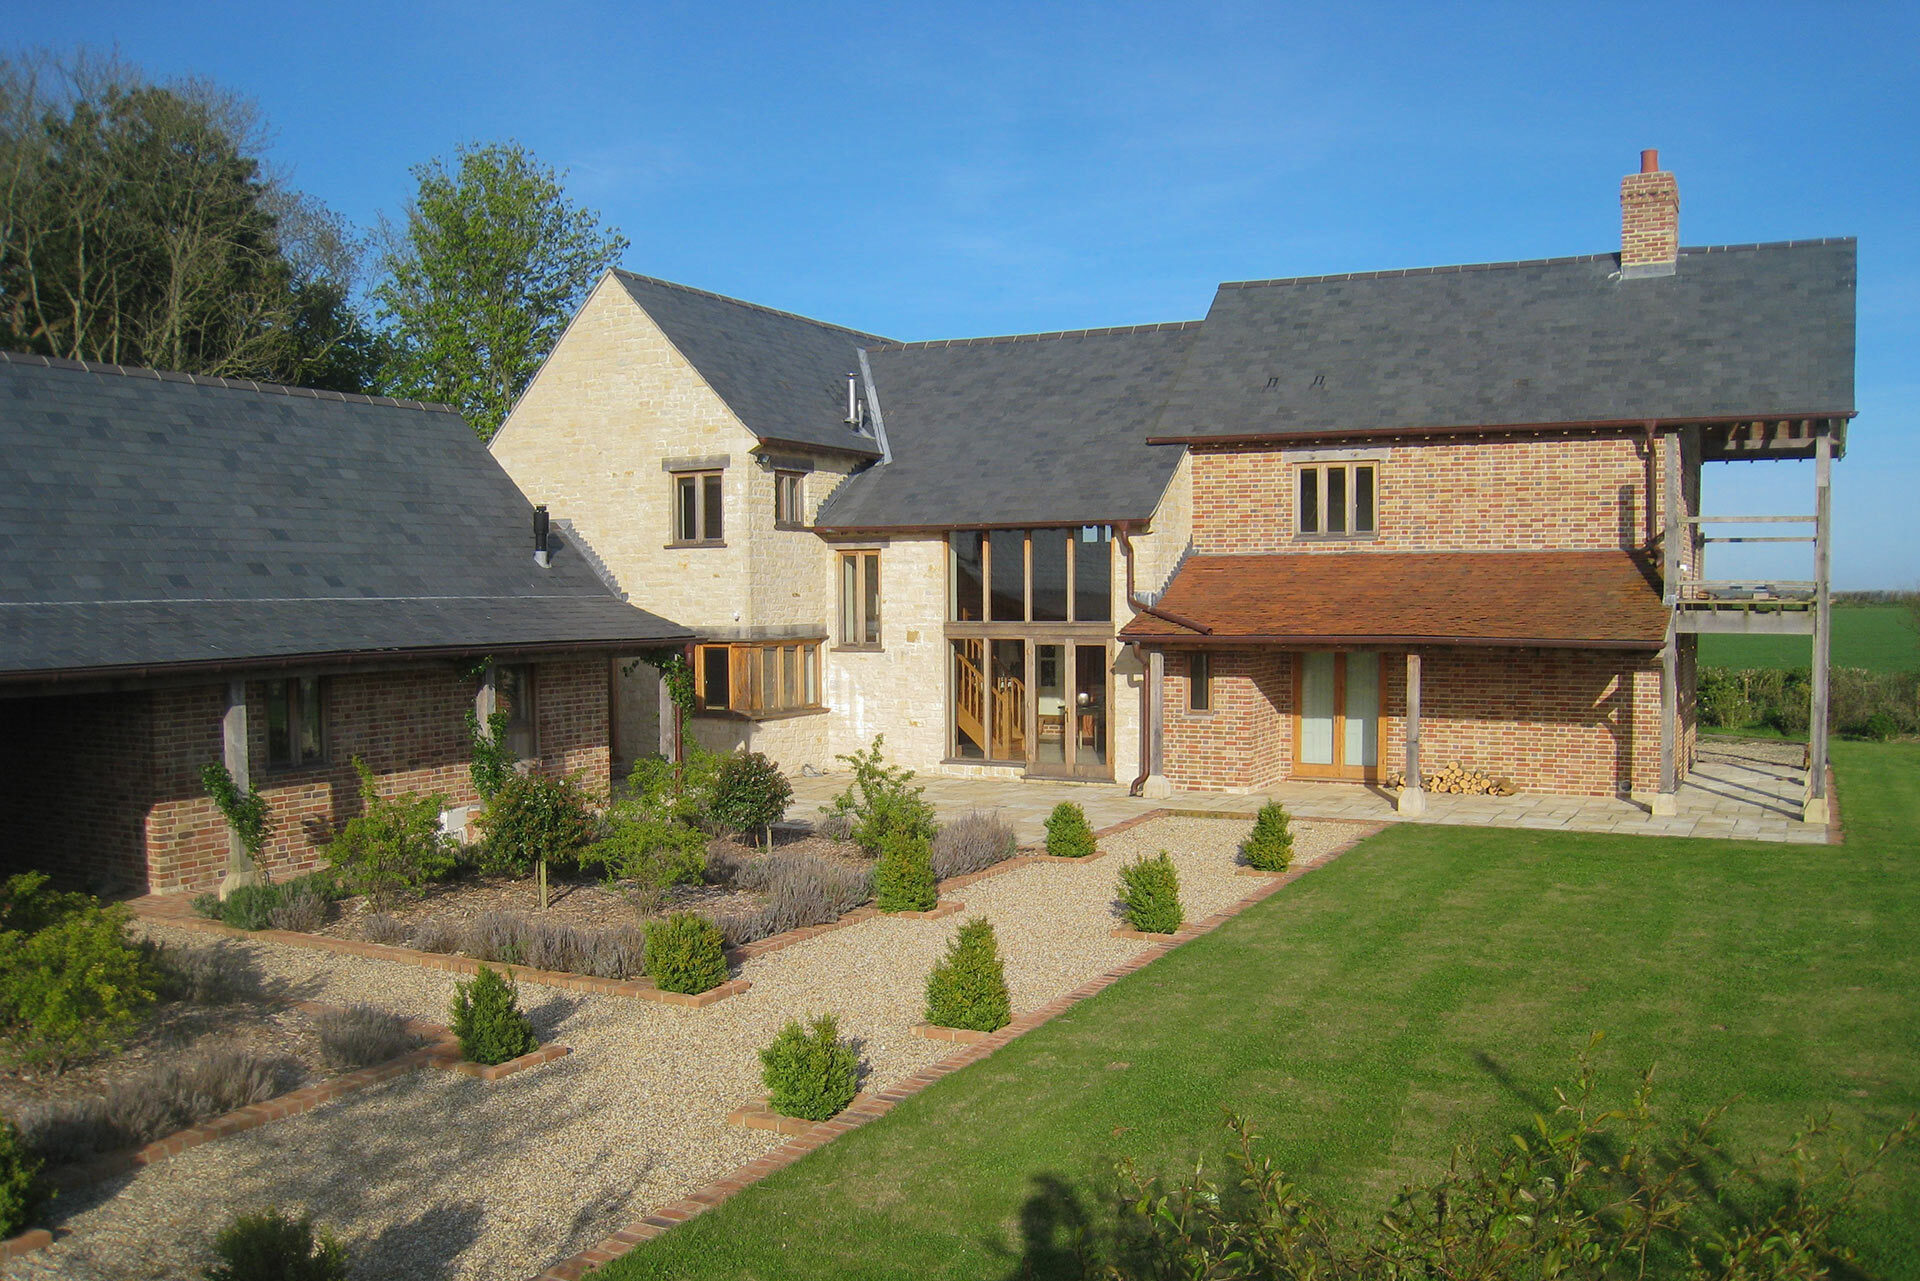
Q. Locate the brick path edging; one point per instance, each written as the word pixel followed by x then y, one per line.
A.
pixel 24 1244
pixel 873 1108
pixel 641 988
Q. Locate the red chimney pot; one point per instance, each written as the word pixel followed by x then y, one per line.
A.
pixel 1650 161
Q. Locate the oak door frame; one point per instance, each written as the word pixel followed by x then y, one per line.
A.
pixel 1339 772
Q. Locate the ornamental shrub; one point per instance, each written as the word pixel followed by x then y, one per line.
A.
pixel 488 1021
pixel 1880 727
pixel 245 811
pixel 394 846
pixel 810 1073
pixel 643 847
pixel 903 878
pixel 685 953
pixel 71 983
pixel 750 794
pixel 1068 835
pixel 1269 847
pixel 534 819
pixel 879 800
pixel 968 989
pixel 248 907
pixel 359 1035
pixel 273 1246
pixel 680 791
pixel 1150 890
pixel 21 1192
pixel 972 843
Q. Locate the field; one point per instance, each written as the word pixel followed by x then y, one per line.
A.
pixel 1426 989
pixel 1879 638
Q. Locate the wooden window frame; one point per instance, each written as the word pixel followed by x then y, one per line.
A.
pixel 1074 542
pixel 866 561
pixel 748 667
pixel 698 479
pixel 789 499
pixel 296 701
pixel 1199 683
pixel 1316 474
pixel 523 715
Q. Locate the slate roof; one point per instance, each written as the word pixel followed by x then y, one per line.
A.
pixel 1048 428
pixel 1741 330
pixel 1593 599
pixel 149 520
pixel 783 375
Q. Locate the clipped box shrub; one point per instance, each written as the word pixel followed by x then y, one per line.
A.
pixel 972 843
pixel 1269 847
pixel 750 794
pixel 272 1246
pixel 686 953
pixel 1068 835
pixel 1150 891
pixel 903 878
pixel 968 988
pixel 488 1020
pixel 810 1072
pixel 21 1192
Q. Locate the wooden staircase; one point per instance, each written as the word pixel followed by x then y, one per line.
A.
pixel 1009 695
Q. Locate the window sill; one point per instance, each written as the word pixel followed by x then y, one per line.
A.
pixel 1337 538
pixel 858 649
pixel 698 542
pixel 980 761
pixel 727 714
pixel 790 526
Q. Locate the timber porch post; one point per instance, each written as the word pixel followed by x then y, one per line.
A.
pixel 1413 800
pixel 234 755
pixel 1672 504
pixel 1817 803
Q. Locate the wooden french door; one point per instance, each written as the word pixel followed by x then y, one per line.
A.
pixel 1338 701
pixel 1072 693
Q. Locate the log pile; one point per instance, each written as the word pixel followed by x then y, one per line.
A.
pixel 1458 780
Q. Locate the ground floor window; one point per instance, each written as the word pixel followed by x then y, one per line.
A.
pixel 758 678
pixel 1199 682
pixel 1338 699
pixel 1033 701
pixel 296 723
pixel 514 693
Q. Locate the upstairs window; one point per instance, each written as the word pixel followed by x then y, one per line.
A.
pixel 1337 500
pixel 1061 575
pixel 697 507
pixel 860 599
pixel 789 499
pixel 296 723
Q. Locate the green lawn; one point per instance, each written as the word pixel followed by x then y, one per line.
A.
pixel 1428 987
pixel 1879 638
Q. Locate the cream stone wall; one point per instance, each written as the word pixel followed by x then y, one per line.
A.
pixel 899 690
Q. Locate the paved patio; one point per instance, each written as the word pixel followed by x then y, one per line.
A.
pixel 1739 789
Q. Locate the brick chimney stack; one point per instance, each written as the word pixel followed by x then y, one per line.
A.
pixel 1649 220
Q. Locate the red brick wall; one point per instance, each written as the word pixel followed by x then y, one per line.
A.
pixel 74 777
pixel 1583 722
pixel 1512 493
pixel 109 785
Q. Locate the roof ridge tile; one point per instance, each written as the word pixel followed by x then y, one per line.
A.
pixel 212 380
pixel 1394 273
pixel 1168 326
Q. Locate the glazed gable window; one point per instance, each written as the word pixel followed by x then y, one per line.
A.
pixel 1060 575
pixel 1336 500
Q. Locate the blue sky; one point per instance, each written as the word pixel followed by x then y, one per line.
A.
pixel 944 170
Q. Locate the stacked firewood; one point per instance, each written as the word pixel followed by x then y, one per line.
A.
pixel 1460 781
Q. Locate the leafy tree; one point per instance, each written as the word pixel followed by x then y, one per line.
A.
pixel 476 285
pixel 138 226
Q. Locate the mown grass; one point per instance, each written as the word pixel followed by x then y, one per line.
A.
pixel 1426 989
pixel 1880 638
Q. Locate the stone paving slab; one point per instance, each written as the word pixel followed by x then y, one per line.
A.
pixel 1739 789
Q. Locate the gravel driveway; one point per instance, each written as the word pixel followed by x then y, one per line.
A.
pixel 440 1176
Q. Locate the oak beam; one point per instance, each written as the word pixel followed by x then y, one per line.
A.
pixel 235 755
pixel 1413 800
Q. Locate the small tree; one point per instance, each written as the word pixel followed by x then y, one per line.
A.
pixel 750 794
pixel 968 989
pixel 1150 890
pixel 245 811
pixel 272 1246
pixel 810 1073
pixel 879 800
pixel 903 878
pixel 394 845
pixel 533 819
pixel 1068 835
pixel 488 1021
pixel 1269 847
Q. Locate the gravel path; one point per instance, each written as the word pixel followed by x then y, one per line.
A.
pixel 440 1176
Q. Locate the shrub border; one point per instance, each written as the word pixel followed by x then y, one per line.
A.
pixel 160 909
pixel 871 1108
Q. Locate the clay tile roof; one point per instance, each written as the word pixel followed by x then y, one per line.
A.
pixel 1603 599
